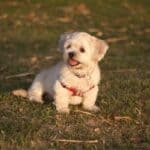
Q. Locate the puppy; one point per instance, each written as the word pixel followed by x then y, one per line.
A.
pixel 75 79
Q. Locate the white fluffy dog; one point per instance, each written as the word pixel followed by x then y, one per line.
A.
pixel 75 79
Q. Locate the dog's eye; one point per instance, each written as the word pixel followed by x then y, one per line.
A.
pixel 82 50
pixel 68 46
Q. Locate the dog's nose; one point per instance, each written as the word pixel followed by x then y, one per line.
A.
pixel 71 54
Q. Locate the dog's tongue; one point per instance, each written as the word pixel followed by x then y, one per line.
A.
pixel 73 62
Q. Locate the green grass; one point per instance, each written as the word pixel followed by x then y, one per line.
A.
pixel 29 33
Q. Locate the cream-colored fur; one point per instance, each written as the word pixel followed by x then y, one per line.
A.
pixel 82 76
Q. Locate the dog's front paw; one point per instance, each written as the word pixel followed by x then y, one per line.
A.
pixel 63 110
pixel 93 108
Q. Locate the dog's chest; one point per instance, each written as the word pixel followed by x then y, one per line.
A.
pixel 81 83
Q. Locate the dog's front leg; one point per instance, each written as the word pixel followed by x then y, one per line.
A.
pixel 61 97
pixel 90 99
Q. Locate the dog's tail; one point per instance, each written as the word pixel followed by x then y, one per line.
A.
pixel 20 92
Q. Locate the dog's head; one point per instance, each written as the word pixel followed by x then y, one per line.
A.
pixel 80 49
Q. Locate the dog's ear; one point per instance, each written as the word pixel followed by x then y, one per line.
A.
pixel 101 48
pixel 62 40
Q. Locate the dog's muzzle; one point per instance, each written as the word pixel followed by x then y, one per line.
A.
pixel 71 59
pixel 71 54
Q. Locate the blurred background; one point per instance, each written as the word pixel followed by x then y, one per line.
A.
pixel 30 30
pixel 29 34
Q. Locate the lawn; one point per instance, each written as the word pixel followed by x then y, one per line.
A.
pixel 29 33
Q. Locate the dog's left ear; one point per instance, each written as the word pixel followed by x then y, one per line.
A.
pixel 62 40
pixel 101 48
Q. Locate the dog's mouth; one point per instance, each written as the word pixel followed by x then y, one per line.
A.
pixel 72 62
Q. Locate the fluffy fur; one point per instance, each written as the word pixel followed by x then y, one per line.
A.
pixel 78 69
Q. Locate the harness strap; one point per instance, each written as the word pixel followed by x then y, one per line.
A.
pixel 76 92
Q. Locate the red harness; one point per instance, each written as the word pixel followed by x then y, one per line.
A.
pixel 76 92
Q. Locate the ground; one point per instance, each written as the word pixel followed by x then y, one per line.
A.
pixel 30 30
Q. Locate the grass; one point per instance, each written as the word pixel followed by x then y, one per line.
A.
pixel 28 42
